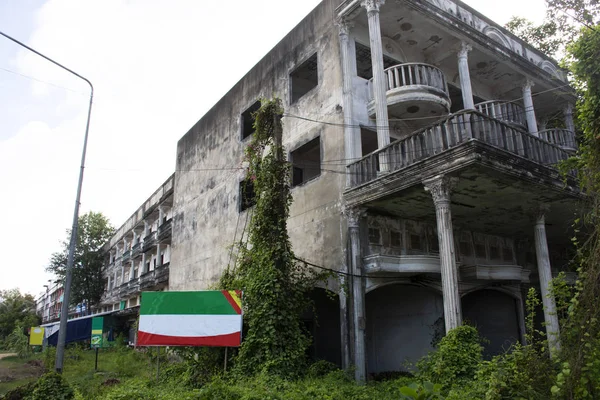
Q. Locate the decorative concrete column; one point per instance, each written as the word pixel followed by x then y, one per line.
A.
pixel 158 262
pixel 529 110
pixel 144 270
pixel 352 143
pixel 161 215
pixel 465 76
pixel 122 273
pixel 379 78
pixel 440 188
pixel 146 226
pixel 353 216
pixel 521 315
pixel 131 269
pixel 543 263
pixel 568 115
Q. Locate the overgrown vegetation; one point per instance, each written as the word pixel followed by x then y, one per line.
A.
pixel 16 310
pixel 275 286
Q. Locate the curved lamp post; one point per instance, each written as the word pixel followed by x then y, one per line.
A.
pixel 64 312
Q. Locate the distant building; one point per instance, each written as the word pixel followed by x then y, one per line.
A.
pixel 49 303
pixel 423 139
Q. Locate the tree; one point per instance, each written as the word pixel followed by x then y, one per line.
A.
pixel 87 286
pixel 16 310
pixel 578 22
pixel 561 26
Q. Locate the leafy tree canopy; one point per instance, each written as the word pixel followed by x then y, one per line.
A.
pixel 88 284
pixel 16 309
pixel 561 26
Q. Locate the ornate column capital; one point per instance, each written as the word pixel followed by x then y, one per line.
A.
pixel 539 213
pixel 568 110
pixel 344 25
pixel 440 188
pixel 527 84
pixel 353 215
pixel 372 5
pixel 463 51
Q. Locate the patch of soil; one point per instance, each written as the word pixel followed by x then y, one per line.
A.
pixel 111 382
pixel 35 363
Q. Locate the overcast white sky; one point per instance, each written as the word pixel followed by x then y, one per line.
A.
pixel 157 67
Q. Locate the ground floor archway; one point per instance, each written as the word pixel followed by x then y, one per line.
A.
pixel 403 323
pixel 495 315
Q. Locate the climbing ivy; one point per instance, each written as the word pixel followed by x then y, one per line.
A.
pixel 275 286
pixel 579 377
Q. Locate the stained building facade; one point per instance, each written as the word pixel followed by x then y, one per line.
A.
pixel 423 140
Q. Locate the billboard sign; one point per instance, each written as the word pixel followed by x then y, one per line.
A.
pixel 203 318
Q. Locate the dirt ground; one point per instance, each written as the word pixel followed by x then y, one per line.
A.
pixel 15 371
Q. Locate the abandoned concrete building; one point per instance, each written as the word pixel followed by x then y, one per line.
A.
pixel 423 139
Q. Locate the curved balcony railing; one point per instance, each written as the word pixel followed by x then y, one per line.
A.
pixel 451 132
pixel 560 137
pixel 409 74
pixel 504 111
pixel 414 82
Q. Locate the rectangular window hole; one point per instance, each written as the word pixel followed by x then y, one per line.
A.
pixel 395 239
pixel 364 64
pixel 246 194
pixel 304 78
pixel 368 141
pixel 374 236
pixel 248 120
pixel 306 162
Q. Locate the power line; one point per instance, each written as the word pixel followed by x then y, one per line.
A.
pixel 42 81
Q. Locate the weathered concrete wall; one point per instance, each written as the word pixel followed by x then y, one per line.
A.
pixel 206 182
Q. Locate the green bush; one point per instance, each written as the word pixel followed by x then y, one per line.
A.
pixel 455 361
pixel 20 393
pixel 18 342
pixel 321 368
pixel 52 386
pixel 425 391
pixel 49 357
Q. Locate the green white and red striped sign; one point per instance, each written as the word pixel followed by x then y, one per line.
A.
pixel 204 318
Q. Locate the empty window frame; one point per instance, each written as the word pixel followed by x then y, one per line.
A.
pixel 368 141
pixel 374 236
pixel 396 239
pixel 364 67
pixel 304 78
pixel 248 120
pixel 306 162
pixel 246 195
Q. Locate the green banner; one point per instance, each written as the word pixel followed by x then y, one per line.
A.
pixel 97 330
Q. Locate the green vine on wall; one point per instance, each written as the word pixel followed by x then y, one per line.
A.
pixel 275 287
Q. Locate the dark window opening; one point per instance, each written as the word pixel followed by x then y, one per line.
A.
pixel 364 67
pixel 374 236
pixel 248 120
pixel 507 254
pixel 304 78
pixel 415 242
pixel 480 250
pixel 247 195
pixel 395 239
pixel 368 140
pixel 465 249
pixel 494 252
pixel 306 162
pixel 456 99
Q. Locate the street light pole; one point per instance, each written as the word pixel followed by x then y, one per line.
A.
pixel 64 311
